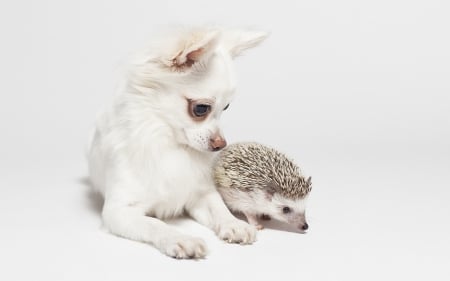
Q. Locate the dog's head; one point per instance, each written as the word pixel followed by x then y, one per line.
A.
pixel 189 79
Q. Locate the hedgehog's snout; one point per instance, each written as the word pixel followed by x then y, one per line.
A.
pixel 301 224
pixel 303 227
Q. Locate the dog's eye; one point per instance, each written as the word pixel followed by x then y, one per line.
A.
pixel 201 109
pixel 226 107
pixel 286 210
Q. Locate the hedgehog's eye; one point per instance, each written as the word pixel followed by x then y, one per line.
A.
pixel 286 210
pixel 226 107
pixel 201 109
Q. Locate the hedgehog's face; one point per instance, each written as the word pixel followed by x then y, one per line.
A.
pixel 290 211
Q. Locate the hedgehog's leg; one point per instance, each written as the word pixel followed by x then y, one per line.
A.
pixel 265 217
pixel 253 220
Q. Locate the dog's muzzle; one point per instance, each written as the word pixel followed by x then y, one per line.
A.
pixel 217 142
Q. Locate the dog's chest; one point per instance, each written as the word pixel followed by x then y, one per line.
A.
pixel 177 179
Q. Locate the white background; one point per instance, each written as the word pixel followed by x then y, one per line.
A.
pixel 357 92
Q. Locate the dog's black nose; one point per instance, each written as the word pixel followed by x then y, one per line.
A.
pixel 305 226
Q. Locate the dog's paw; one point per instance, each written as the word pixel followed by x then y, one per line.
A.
pixel 183 247
pixel 237 231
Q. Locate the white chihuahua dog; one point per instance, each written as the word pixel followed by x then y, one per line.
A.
pixel 152 152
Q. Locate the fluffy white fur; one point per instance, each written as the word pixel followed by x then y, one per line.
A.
pixel 151 160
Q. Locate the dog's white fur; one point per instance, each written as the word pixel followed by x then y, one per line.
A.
pixel 151 160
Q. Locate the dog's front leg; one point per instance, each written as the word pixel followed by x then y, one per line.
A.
pixel 212 212
pixel 131 222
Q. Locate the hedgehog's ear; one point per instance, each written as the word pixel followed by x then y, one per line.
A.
pixel 270 189
pixel 308 184
pixel 308 181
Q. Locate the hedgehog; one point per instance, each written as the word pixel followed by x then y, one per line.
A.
pixel 262 183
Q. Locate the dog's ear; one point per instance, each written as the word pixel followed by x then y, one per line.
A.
pixel 237 41
pixel 196 46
